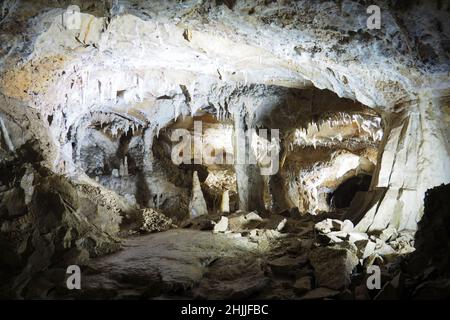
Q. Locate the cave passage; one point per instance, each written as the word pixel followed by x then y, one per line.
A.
pixel 345 192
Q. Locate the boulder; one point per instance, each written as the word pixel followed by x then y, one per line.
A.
pixel 388 234
pixel 329 225
pixel 253 216
pixel 244 222
pixel 324 226
pixel 12 203
pixel 334 237
pixel 302 285
pixel 347 226
pixel 357 236
pixel 221 226
pixel 333 266
pixel 287 265
pixel 373 259
pixel 232 278
pixel 365 248
pixel 200 223
pixel 336 225
pixel 383 249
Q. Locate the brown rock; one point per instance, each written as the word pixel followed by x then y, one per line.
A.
pixel 319 293
pixel 333 266
pixel 303 285
pixel 287 265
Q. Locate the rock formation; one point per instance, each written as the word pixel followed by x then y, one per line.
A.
pixel 288 134
pixel 225 202
pixel 197 207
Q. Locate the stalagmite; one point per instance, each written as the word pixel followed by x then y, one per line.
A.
pixel 122 170
pixel 125 167
pixel 225 203
pixel 197 206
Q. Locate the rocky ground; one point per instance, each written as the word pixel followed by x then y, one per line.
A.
pixel 242 256
pixel 82 160
pixel 50 223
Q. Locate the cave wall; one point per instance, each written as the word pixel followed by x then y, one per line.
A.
pixel 414 158
pixel 152 66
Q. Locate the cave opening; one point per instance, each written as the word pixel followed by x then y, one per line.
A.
pixel 342 197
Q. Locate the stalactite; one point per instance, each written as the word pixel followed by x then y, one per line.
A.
pixel 6 136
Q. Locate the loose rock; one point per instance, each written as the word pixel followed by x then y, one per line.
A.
pixel 343 262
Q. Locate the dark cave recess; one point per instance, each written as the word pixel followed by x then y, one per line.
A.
pixel 346 191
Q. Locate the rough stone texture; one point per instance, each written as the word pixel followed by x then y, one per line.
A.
pixel 157 265
pixel 231 279
pixel 288 265
pixel 429 264
pixel 239 221
pixel 53 229
pixel 368 247
pixel 302 285
pixel 432 245
pixel 282 45
pixel 155 221
pixel 88 107
pixel 343 262
pixel 197 207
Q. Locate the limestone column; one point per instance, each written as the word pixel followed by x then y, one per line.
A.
pixel 149 135
pixel 277 185
pixel 248 177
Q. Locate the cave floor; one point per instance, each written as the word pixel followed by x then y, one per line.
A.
pixel 194 264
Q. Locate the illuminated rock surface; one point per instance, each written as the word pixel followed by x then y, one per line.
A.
pixel 87 118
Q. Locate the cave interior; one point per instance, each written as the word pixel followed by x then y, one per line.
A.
pixel 224 150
